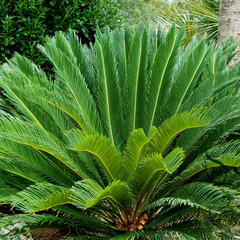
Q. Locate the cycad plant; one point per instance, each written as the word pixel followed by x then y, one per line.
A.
pixel 116 146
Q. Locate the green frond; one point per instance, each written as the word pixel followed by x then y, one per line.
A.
pixel 198 195
pixel 174 159
pixel 193 229
pixel 136 148
pixel 7 190
pixel 109 101
pixel 174 202
pixel 229 48
pixel 29 134
pixel 172 215
pixel 154 165
pixel 59 104
pixel 192 64
pixel 83 59
pixel 74 215
pixel 40 197
pixel 156 38
pixel 28 71
pixel 162 72
pixel 213 85
pixel 60 53
pixel 88 162
pixel 106 153
pixel 200 164
pixel 172 127
pixel 23 169
pixel 122 40
pixel 126 236
pixel 14 93
pixel 231 147
pixel 196 229
pixel 216 79
pixel 22 158
pixel 48 221
pixel 88 193
pixel 21 82
pixel 135 92
pixel 224 119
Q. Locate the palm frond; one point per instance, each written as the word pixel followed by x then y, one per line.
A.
pixel 86 221
pixel 135 96
pixel 198 195
pixel 23 169
pixel 225 118
pixel 196 229
pixel 48 221
pixel 60 53
pixel 40 197
pixel 19 100
pixel 197 18
pixel 200 164
pixel 22 158
pixel 191 67
pixel 20 132
pixel 30 81
pixel 122 40
pixel 151 166
pixel 136 148
pixel 162 72
pixel 88 193
pixel 109 101
pixel 106 153
pixel 176 124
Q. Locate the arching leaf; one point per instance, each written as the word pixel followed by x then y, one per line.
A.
pixel 60 53
pixel 40 197
pixel 135 95
pixel 109 101
pixel 197 195
pixel 151 166
pixel 106 153
pixel 135 150
pixel 88 193
pixel 162 73
pixel 175 125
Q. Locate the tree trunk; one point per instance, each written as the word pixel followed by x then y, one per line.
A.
pixel 229 21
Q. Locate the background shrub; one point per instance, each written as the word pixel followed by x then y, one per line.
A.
pixel 25 23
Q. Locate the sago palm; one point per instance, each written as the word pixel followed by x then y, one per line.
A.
pixel 117 144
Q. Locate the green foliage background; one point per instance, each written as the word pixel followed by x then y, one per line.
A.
pixel 198 17
pixel 135 11
pixel 26 23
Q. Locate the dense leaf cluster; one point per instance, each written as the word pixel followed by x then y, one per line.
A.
pixel 135 11
pixel 25 23
pixel 119 144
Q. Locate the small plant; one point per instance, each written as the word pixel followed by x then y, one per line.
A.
pixel 13 229
pixel 118 145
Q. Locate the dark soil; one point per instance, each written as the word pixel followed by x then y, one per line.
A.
pixel 51 234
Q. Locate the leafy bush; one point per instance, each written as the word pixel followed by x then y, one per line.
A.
pixel 25 23
pixel 135 11
pixel 118 144
pixel 12 229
